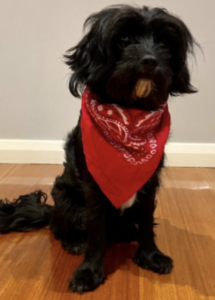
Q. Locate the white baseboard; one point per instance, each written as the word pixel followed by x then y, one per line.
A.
pixel 51 152
pixel 190 155
pixel 31 152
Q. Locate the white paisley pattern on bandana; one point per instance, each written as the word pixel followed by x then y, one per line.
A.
pixel 131 131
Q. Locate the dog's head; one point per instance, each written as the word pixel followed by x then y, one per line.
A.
pixel 132 56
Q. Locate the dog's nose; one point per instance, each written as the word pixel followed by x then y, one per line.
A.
pixel 149 62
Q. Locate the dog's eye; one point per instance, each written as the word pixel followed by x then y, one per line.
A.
pixel 124 41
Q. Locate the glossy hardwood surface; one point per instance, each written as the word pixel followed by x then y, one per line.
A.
pixel 33 266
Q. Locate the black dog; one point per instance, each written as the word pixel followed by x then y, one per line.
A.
pixel 123 45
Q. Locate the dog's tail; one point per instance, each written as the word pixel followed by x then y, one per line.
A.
pixel 26 213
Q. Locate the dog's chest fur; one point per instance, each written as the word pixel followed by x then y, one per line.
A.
pixel 128 203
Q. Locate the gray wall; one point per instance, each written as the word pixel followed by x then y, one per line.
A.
pixel 34 99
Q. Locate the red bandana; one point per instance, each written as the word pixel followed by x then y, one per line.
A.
pixel 122 146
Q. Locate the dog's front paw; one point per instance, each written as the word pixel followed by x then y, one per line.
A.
pixel 85 280
pixel 155 261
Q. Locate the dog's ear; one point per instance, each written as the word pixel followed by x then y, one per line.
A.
pixel 182 48
pixel 90 58
pixel 181 44
pixel 181 82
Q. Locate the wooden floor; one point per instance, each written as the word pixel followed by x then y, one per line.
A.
pixel 34 267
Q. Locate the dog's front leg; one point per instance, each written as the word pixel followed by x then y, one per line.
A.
pixel 148 256
pixel 90 273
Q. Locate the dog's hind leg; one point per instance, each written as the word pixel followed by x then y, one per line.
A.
pixel 68 218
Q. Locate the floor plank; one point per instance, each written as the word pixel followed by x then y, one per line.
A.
pixel 34 266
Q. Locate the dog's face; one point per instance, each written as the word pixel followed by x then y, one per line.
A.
pixel 132 56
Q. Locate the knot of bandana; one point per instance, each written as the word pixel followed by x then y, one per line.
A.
pixel 130 131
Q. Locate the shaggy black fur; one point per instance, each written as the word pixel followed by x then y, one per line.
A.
pixel 26 213
pixel 123 44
